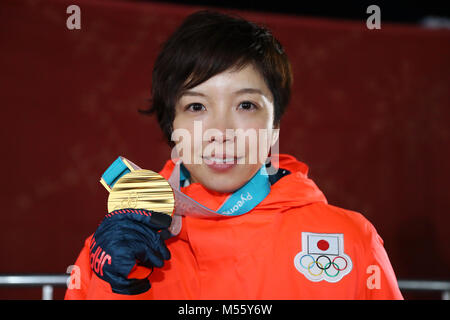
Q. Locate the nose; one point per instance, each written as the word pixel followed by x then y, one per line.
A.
pixel 222 128
pixel 222 136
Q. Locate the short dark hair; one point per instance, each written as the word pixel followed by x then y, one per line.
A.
pixel 206 44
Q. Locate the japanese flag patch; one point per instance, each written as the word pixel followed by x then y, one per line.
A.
pixel 322 257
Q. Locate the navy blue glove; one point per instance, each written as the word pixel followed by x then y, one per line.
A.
pixel 126 238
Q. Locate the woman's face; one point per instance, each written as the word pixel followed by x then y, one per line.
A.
pixel 226 125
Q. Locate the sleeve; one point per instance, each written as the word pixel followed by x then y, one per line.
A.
pixel 380 280
pixel 80 276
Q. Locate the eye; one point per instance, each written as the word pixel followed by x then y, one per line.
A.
pixel 247 105
pixel 195 107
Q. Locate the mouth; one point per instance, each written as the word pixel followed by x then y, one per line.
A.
pixel 221 163
pixel 220 159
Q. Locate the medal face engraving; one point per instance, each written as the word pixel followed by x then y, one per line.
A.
pixel 142 189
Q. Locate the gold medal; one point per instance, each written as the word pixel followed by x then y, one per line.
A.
pixel 140 189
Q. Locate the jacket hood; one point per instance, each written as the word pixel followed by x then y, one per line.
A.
pixel 292 190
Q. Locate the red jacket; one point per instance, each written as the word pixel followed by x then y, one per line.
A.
pixel 293 245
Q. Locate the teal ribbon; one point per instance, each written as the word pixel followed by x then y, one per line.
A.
pixel 239 202
pixel 245 198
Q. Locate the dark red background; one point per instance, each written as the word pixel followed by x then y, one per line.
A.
pixel 369 115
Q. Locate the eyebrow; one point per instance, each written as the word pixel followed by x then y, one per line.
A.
pixel 238 92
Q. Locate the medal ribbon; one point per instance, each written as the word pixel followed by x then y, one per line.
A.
pixel 239 202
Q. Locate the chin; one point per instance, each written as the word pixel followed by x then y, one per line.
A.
pixel 227 182
pixel 222 184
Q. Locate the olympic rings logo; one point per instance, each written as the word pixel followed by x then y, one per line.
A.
pixel 317 266
pixel 323 257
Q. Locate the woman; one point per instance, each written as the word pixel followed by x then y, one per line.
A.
pixel 230 77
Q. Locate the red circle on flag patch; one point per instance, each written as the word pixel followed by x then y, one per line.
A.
pixel 323 245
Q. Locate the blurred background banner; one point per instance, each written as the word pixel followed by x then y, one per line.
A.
pixel 369 115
